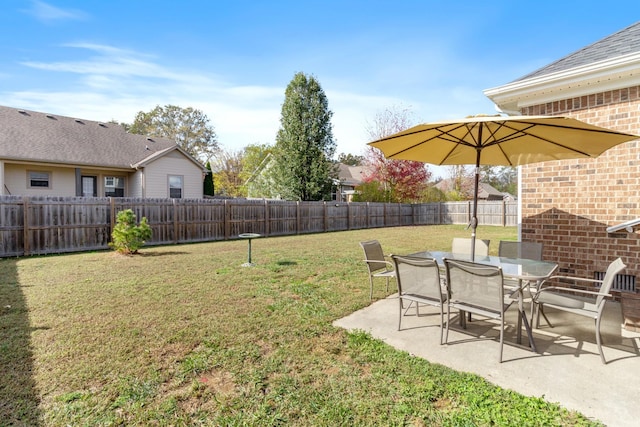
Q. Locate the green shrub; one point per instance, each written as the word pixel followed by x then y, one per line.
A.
pixel 127 237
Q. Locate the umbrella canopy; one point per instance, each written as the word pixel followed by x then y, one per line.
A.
pixel 499 141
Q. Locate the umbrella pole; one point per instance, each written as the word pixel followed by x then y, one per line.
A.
pixel 474 218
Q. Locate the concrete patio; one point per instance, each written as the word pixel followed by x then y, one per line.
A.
pixel 566 369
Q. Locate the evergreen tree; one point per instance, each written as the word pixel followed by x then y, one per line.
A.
pixel 304 146
pixel 208 182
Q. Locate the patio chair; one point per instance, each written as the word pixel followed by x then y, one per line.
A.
pixel 578 301
pixel 528 250
pixel 462 245
pixel 377 264
pixel 419 283
pixel 476 288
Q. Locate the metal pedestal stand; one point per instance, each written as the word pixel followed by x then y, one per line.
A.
pixel 249 236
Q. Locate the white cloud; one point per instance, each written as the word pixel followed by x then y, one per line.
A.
pixel 45 12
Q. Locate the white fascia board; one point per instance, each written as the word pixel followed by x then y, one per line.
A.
pixel 617 73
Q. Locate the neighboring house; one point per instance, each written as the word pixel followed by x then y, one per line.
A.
pixel 260 184
pixel 569 204
pixel 349 177
pixel 485 191
pixel 49 155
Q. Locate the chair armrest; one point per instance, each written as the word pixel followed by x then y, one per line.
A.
pixel 576 291
pixel 389 264
pixel 544 282
pixel 577 279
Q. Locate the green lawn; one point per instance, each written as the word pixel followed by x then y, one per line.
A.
pixel 182 335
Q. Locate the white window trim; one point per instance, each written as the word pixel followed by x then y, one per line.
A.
pixel 49 180
pixel 124 183
pixel 181 186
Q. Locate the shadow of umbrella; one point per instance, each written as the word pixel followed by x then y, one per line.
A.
pixel 499 141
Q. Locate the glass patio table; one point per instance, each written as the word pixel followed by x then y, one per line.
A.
pixel 522 271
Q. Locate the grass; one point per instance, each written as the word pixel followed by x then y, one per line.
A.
pixel 182 335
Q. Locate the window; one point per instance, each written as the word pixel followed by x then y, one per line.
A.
pixel 113 186
pixel 175 186
pixel 39 179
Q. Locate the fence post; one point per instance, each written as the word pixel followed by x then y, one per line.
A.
pixel 384 214
pixel 326 216
pixel 366 214
pixel 112 215
pixel 25 223
pixel 175 220
pixel 504 213
pixel 298 217
pixel 226 220
pixel 266 217
pixel 348 215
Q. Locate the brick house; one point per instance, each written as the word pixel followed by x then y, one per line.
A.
pixel 568 204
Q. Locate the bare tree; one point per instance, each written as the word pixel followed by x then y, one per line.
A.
pixel 399 180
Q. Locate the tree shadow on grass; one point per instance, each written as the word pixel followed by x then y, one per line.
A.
pixel 19 397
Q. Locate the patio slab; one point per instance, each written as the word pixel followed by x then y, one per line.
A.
pixel 566 369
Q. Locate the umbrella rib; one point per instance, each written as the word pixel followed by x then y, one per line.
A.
pixel 443 135
pixel 518 133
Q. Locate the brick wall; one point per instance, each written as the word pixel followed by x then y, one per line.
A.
pixel 568 204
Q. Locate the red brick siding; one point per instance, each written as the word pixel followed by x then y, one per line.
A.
pixel 568 204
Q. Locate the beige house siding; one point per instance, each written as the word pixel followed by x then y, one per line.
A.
pixel 569 204
pixel 62 180
pixel 136 184
pixel 156 176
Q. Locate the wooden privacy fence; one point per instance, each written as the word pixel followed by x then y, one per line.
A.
pixel 44 225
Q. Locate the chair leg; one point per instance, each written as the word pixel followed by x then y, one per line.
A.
pixel 387 285
pixel 540 310
pixel 400 312
pixel 501 337
pixel 446 337
pixel 599 340
pixel 370 288
pixel 441 323
pixel 546 319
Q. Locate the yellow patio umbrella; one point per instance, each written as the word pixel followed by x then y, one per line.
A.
pixel 499 141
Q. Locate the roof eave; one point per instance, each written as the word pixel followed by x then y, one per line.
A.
pixel 144 162
pixel 46 162
pixel 616 73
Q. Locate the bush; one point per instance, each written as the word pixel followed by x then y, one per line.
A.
pixel 127 237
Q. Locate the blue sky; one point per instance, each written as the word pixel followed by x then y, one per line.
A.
pixel 104 60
